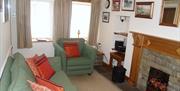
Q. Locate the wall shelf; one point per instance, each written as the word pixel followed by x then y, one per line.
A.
pixel 121 33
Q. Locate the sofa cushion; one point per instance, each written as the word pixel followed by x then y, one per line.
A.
pixel 61 78
pixel 78 61
pixel 49 84
pixel 6 75
pixel 71 49
pixel 39 58
pixel 32 66
pixel 19 62
pixel 80 41
pixel 44 68
pixel 37 87
pixel 20 83
pixel 19 74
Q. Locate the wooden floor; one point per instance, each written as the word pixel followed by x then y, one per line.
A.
pixel 103 70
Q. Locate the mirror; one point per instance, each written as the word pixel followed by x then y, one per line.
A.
pixel 170 13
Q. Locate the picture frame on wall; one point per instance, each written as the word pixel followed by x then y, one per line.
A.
pixel 144 9
pixel 105 17
pixel 128 5
pixel 115 5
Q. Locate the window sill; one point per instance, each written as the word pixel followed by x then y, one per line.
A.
pixel 41 40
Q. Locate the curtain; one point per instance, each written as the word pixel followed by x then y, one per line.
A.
pixel 94 22
pixel 177 15
pixel 62 19
pixel 24 39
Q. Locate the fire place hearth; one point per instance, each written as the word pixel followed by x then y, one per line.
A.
pixel 157 80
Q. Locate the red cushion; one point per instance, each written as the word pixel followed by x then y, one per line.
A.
pixel 49 84
pixel 38 59
pixel 37 87
pixel 71 49
pixel 44 68
pixel 32 66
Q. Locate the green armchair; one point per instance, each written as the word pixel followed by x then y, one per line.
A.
pixel 78 65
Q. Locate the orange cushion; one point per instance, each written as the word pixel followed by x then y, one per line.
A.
pixel 37 87
pixel 32 66
pixel 44 68
pixel 71 49
pixel 49 84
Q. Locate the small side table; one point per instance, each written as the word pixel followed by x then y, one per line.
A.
pixel 119 56
pixel 99 53
pixel 99 59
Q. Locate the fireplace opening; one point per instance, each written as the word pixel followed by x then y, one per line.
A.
pixel 157 80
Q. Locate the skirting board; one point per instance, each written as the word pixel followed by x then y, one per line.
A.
pixel 5 60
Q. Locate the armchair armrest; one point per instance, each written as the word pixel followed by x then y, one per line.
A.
pixel 59 51
pixel 89 52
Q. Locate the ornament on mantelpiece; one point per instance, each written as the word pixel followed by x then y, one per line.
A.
pixel 78 33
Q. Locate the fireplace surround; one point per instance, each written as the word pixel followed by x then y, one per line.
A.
pixel 159 53
pixel 167 64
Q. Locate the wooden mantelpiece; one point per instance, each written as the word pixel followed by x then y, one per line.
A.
pixel 163 46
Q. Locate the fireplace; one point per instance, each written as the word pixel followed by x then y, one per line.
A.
pixel 158 69
pixel 155 54
pixel 157 80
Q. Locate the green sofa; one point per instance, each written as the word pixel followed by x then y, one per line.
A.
pixel 16 73
pixel 79 65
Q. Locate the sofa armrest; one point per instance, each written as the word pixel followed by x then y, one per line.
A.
pixel 55 62
pixel 59 52
pixel 89 52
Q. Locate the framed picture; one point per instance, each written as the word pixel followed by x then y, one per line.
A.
pixel 105 17
pixel 144 9
pixel 116 5
pixel 128 5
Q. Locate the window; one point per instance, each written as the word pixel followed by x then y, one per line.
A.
pixel 41 19
pixel 80 20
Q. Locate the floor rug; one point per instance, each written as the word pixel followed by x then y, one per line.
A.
pixel 94 82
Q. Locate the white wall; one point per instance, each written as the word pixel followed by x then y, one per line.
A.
pixel 5 43
pixel 38 47
pixel 142 25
